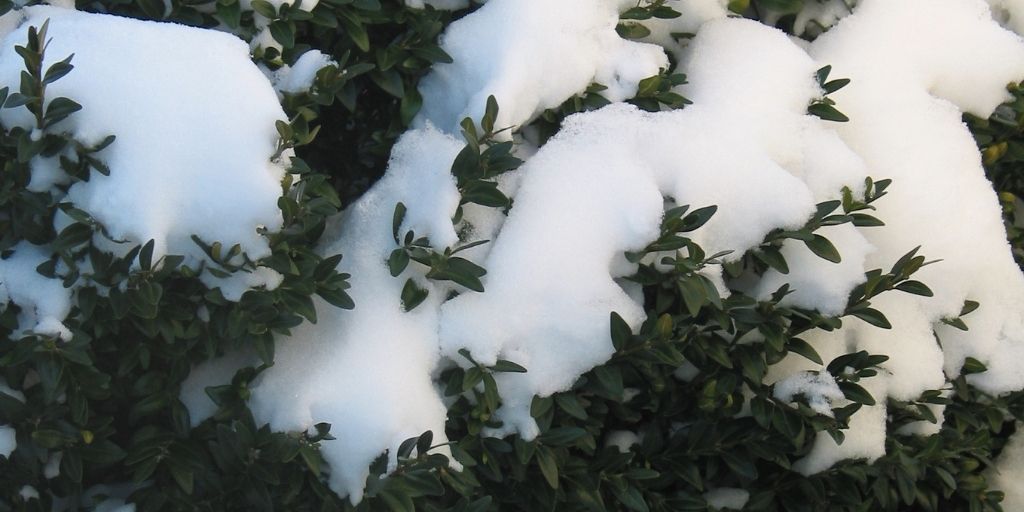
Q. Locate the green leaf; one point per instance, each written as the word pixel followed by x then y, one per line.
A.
pixel 474 375
pixel 648 86
pixel 490 115
pixel 631 498
pixel 283 32
pixel 562 436
pixel 873 317
pixel 632 31
pixel 827 112
pixel 389 81
pixel 738 6
pixel 48 438
pixel 103 452
pixel 58 109
pixel 620 331
pixel 823 248
pixel 693 294
pixel 822 74
pixel 264 8
pixel 337 298
pixel 855 393
pixel 396 219
pixel 398 261
pixel 411 103
pixel 571 405
pixel 972 366
pixel 636 13
pixel 799 346
pixel 915 287
pixel 154 9
pixel 504 366
pixel 58 69
pixel 540 406
pixel 784 7
pixel 412 295
pixel 774 259
pixel 548 466
pixel 866 221
pixel 484 193
pixel 610 379
pixel 183 476
pixel 969 307
pixel 743 466
pixel 433 53
pixel 311 457
pixel 230 15
pixel 146 255
pixel 834 85
pixel 698 218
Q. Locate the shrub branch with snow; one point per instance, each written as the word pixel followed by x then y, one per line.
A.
pixel 780 281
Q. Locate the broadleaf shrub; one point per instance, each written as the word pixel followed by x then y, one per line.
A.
pixel 699 398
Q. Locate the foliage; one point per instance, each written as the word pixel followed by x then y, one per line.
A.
pixel 107 401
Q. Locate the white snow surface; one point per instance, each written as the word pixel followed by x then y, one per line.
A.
pixel 727 498
pixel 194 146
pixel 368 371
pixel 820 390
pixel 532 55
pixel 598 189
pixel 8 440
pixel 1008 473
pixel 299 77
pixel 1010 13
pixel 622 440
pixel 44 302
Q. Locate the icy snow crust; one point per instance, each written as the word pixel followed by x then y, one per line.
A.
pixel 598 188
pixel 194 120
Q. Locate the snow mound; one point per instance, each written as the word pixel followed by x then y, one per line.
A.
pixel 174 166
pixel 598 189
pixel 547 310
pixel 368 372
pixel 550 52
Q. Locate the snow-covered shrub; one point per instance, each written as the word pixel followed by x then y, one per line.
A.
pixel 652 255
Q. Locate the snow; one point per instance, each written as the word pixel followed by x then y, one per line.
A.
pixel 570 44
pixel 598 188
pixel 819 389
pixel 903 100
pixel 44 302
pixel 1010 13
pixel 52 467
pixel 8 440
pixel 806 270
pixel 172 168
pixel 299 77
pixel 622 440
pixel 815 16
pixel 547 310
pixel 1008 473
pixel 729 498
pixel 28 492
pixel 447 5
pixel 371 379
